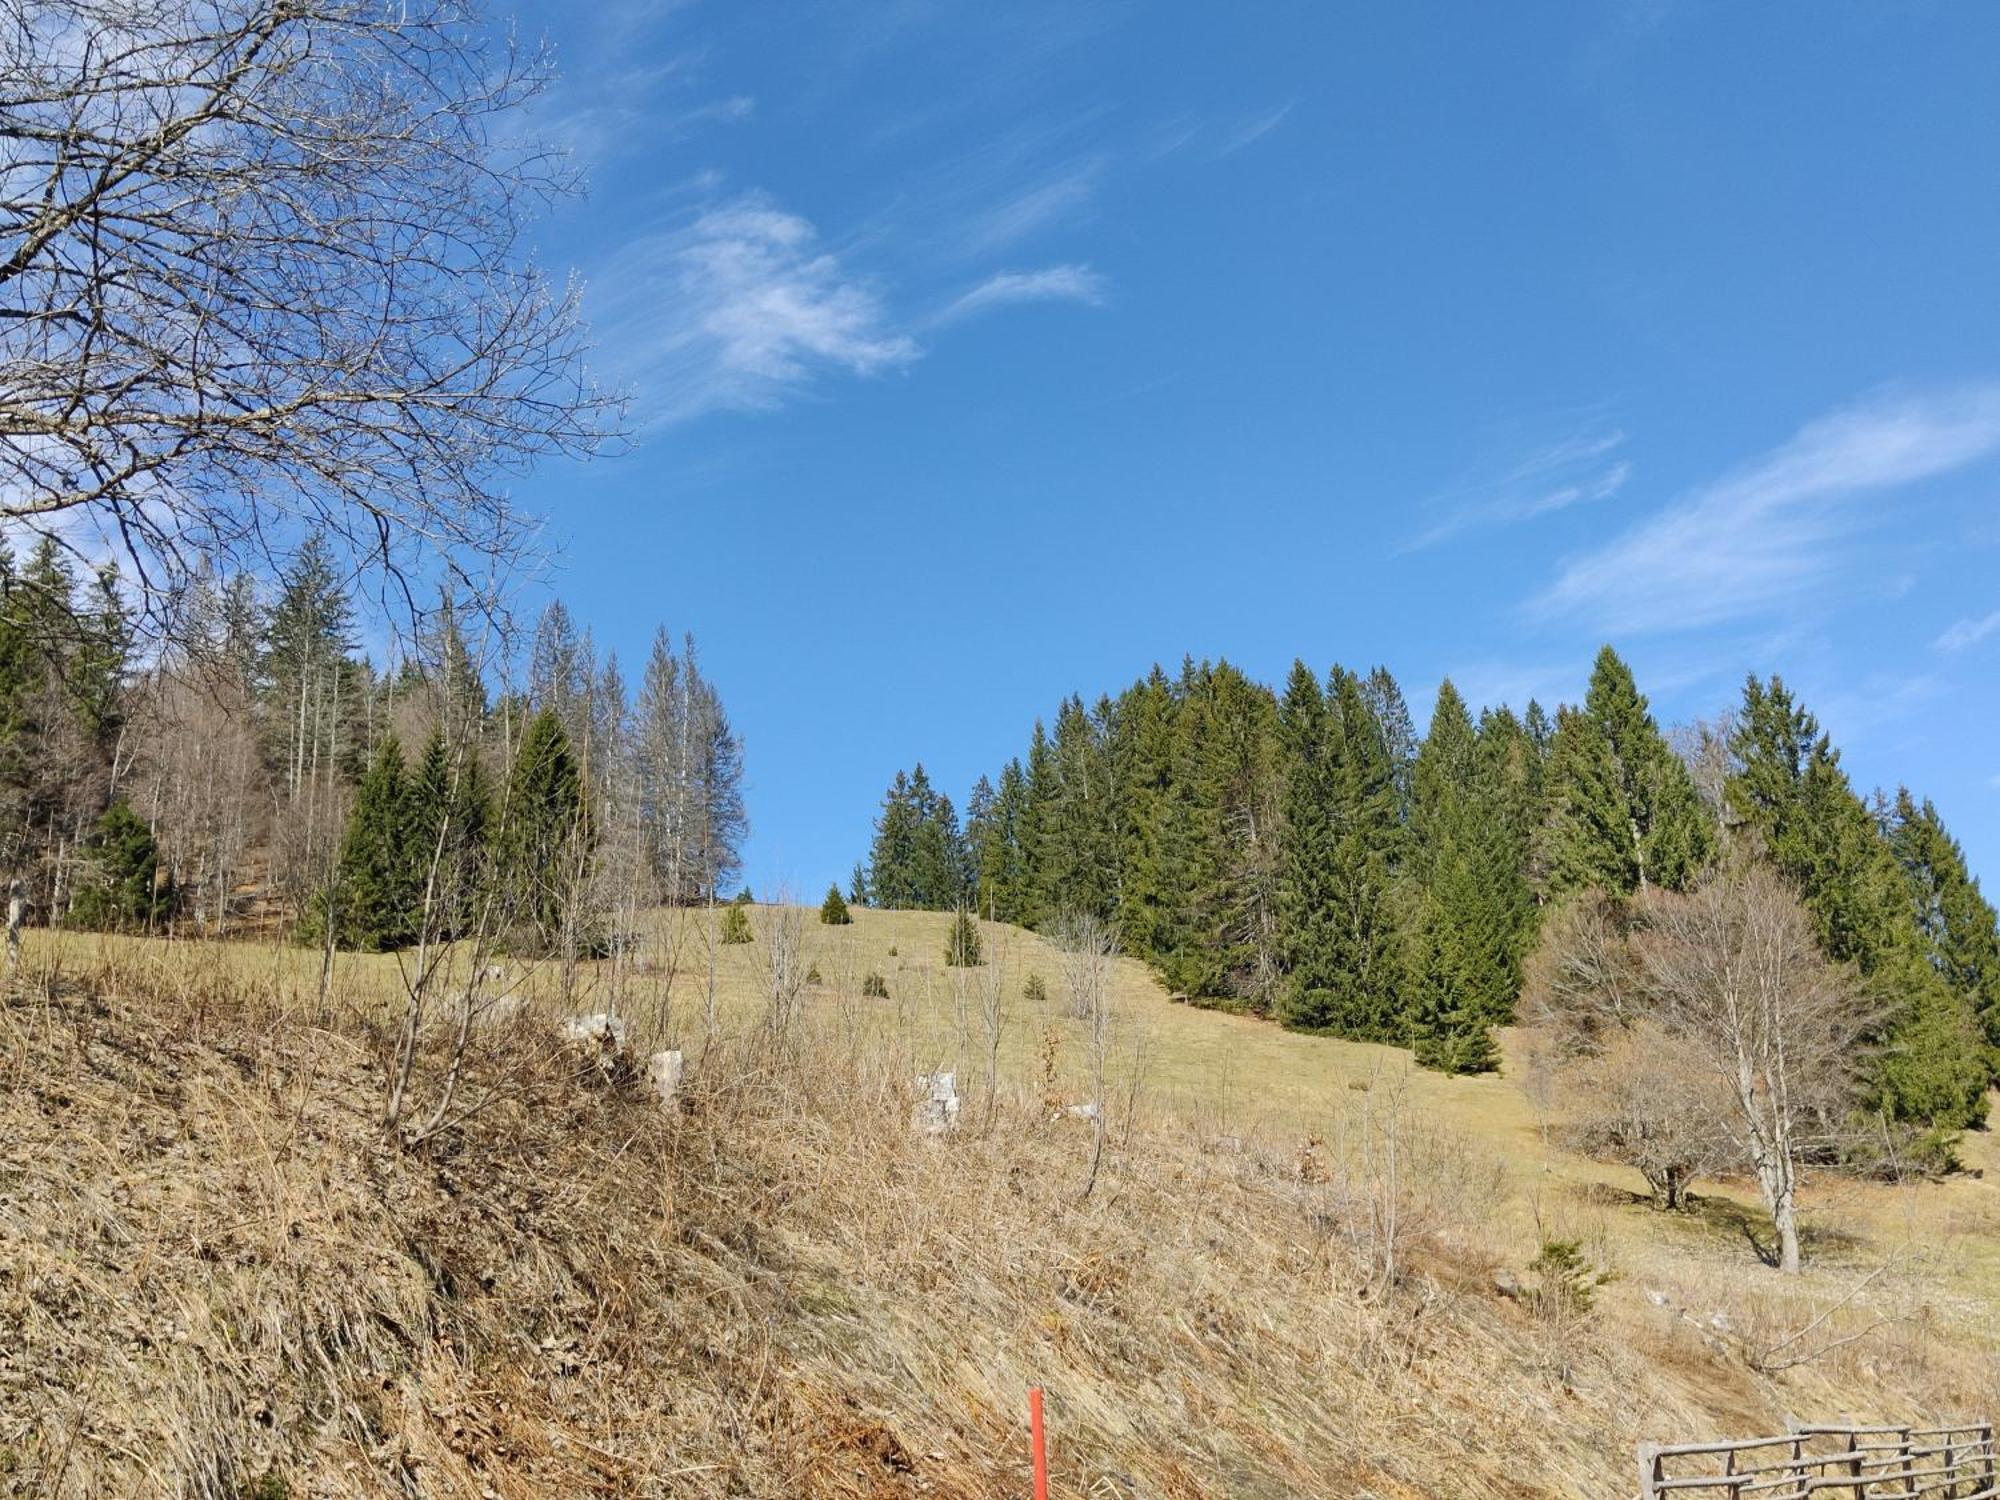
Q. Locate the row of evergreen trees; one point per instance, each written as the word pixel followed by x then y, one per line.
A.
pixel 1304 854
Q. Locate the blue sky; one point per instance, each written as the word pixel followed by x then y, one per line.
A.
pixel 982 353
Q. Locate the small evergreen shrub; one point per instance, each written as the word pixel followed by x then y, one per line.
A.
pixel 833 911
pixel 961 949
pixel 812 975
pixel 123 888
pixel 874 986
pixel 1566 1281
pixel 736 924
pixel 1036 990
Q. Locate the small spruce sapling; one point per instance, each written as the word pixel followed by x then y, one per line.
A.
pixel 833 911
pixel 961 949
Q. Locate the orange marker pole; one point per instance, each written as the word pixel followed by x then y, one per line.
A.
pixel 1035 1436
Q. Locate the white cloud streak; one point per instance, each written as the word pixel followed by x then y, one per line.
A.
pixel 1780 531
pixel 1572 472
pixel 738 310
pixel 1057 198
pixel 1252 130
pixel 1968 632
pixel 1068 283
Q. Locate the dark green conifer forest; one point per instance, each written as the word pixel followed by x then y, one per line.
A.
pixel 1303 854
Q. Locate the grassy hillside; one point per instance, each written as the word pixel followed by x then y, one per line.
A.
pixel 1303 1269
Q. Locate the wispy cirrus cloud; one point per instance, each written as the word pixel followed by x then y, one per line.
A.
pixel 1575 470
pixel 1968 632
pixel 1068 283
pixel 1781 531
pixel 738 309
pixel 1057 197
pixel 1248 131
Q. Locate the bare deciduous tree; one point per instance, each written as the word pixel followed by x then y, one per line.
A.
pixel 1582 983
pixel 1703 747
pixel 1734 970
pixel 262 273
pixel 1649 1099
pixel 1694 1032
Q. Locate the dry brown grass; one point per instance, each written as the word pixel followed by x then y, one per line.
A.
pixel 214 1274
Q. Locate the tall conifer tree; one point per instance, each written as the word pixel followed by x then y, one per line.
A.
pixel 1794 799
pixel 1954 919
pixel 1464 948
pixel 1623 812
pixel 374 894
pixel 547 830
pixel 1363 964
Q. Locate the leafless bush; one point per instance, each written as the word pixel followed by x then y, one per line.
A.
pixel 782 961
pixel 1387 1180
pixel 1648 1098
pixel 1089 954
pixel 1582 983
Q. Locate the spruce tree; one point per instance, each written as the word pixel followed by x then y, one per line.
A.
pixel 1308 893
pixel 374 893
pixel 122 889
pixel 1142 760
pixel 1361 960
pixel 545 856
pixel 938 856
pixel 833 911
pixel 892 878
pixel 961 947
pixel 1794 800
pixel 998 856
pixel 1399 733
pixel 1464 952
pixel 1450 1029
pixel 1220 847
pixel 449 813
pixel 1623 812
pixel 736 923
pixel 1955 921
pixel 1075 854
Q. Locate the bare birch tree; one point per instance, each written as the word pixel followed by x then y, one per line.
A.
pixel 1734 970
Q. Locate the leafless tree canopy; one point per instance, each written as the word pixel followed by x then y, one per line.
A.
pixel 1703 1030
pixel 262 272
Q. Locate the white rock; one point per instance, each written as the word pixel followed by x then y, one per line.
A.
pixel 663 1072
pixel 937 1108
pixel 606 1031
